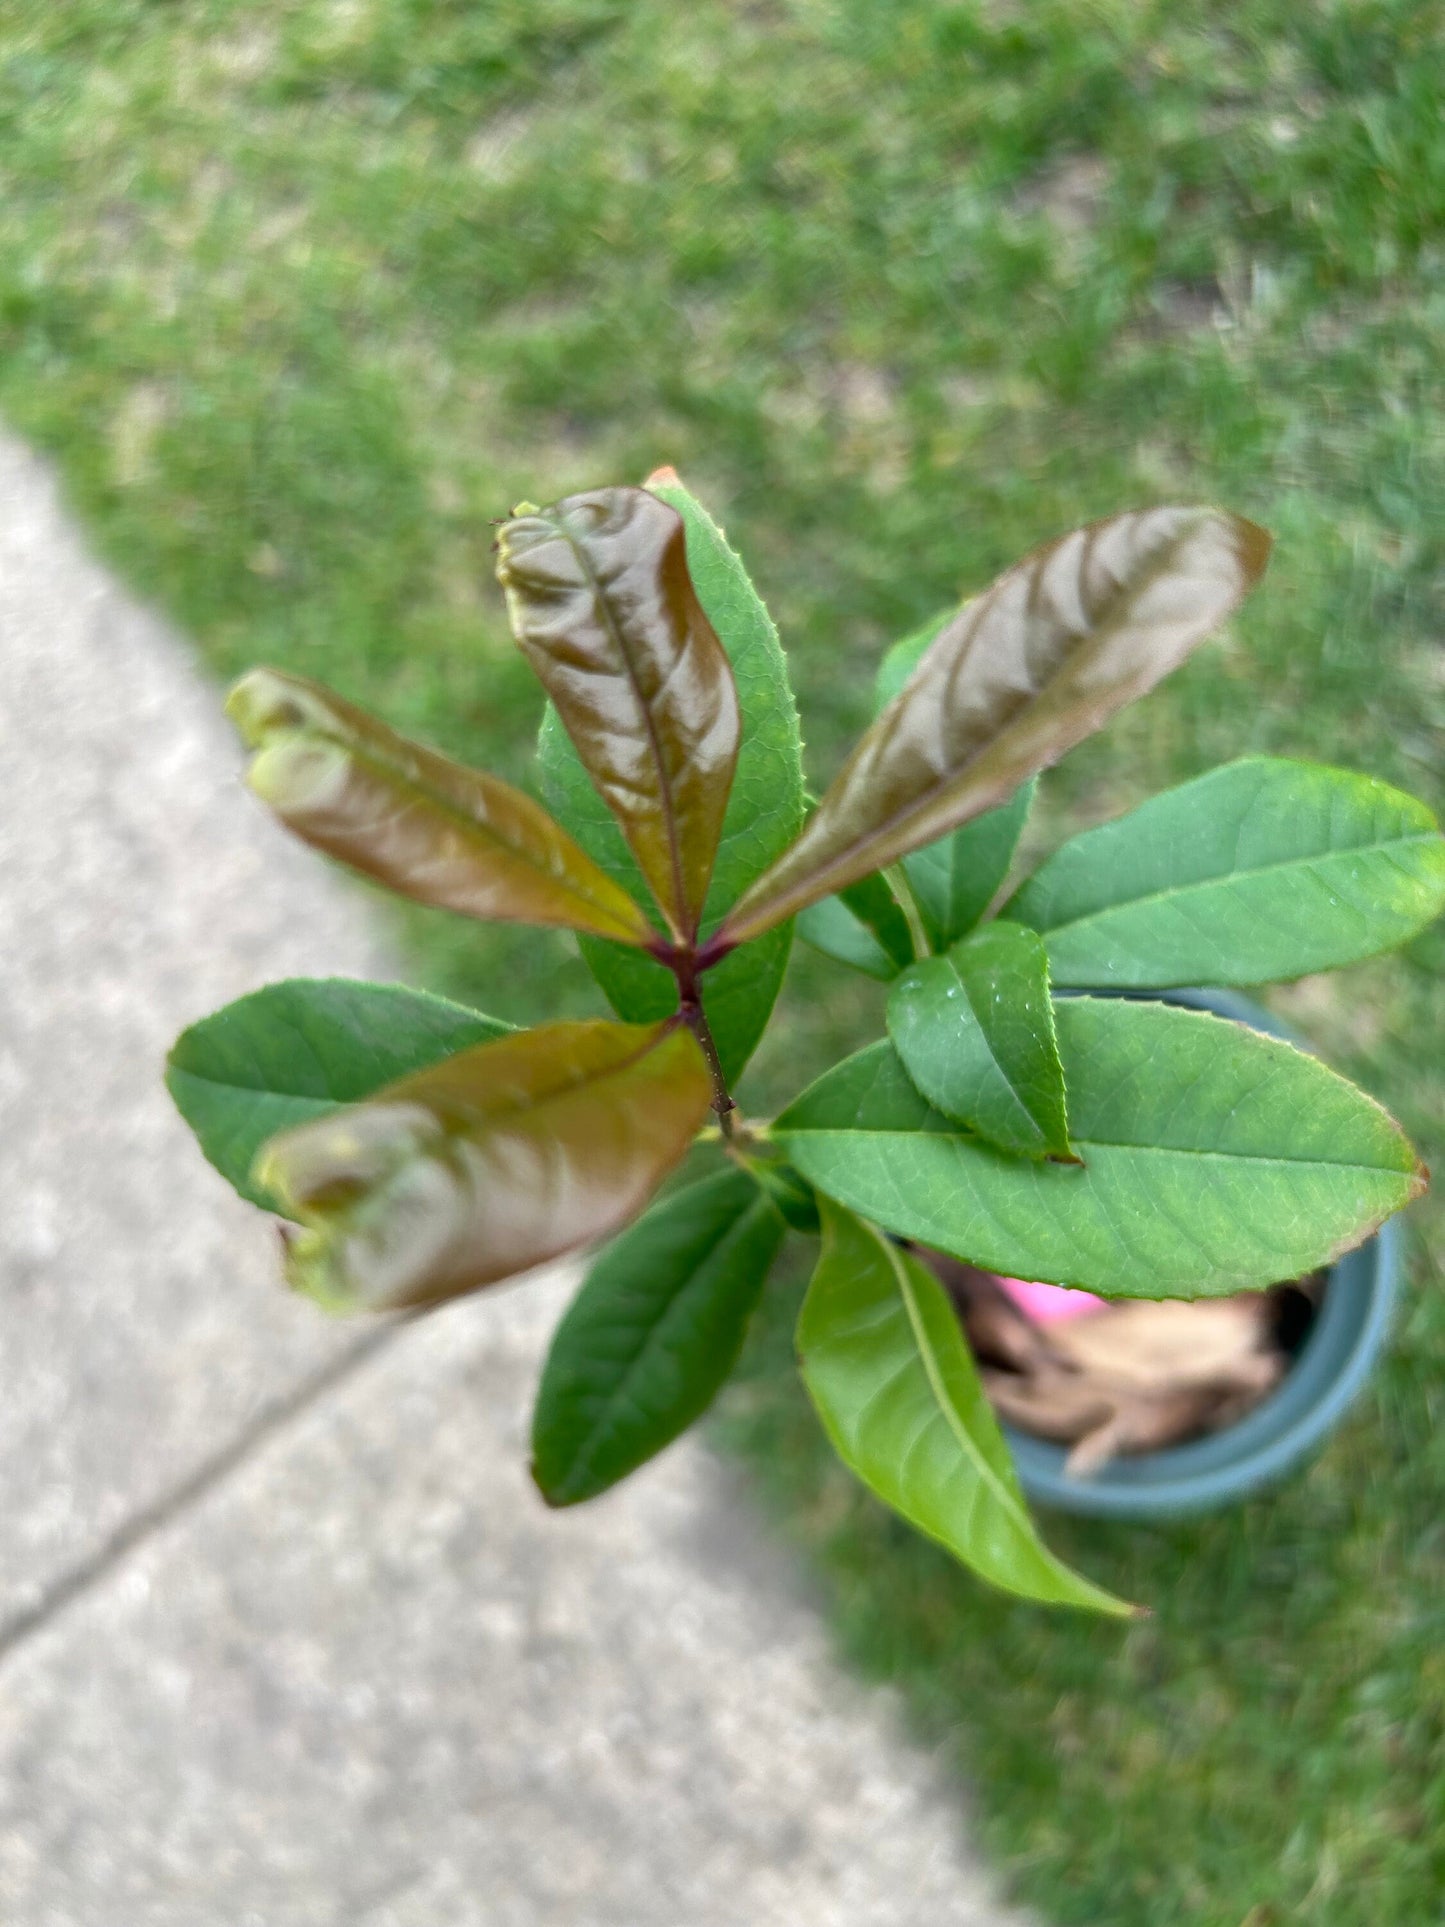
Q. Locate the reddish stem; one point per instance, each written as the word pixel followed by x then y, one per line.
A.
pixel 686 966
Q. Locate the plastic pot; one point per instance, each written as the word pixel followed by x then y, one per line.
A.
pixel 1338 1354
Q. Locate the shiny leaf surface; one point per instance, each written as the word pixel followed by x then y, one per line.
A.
pixel 862 927
pixel 887 1368
pixel 764 810
pixel 1215 1159
pixel 1022 673
pixel 1260 870
pixel 295 1051
pixel 975 1031
pixel 427 827
pixel 487 1164
pixel 652 1335
pixel 605 611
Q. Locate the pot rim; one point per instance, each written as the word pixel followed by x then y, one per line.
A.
pixel 1332 1366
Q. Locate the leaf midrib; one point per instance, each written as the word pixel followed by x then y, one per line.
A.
pixel 790 900
pixel 1106 627
pixel 664 781
pixel 498 1030
pixel 459 815
pixel 271 1090
pixel 994 1058
pixel 935 1383
pixel 1226 877
pixel 586 1456
pixel 1100 1144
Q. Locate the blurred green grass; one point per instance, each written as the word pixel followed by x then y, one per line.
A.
pixel 302 295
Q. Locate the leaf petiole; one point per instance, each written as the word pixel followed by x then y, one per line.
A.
pixel 897 879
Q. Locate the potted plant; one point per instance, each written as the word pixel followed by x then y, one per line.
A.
pixel 416 1150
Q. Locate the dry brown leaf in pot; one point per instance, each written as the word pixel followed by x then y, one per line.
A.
pixel 1134 1376
pixel 1164 1345
pixel 1149 1423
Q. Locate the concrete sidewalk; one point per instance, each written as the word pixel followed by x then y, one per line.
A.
pixel 286 1639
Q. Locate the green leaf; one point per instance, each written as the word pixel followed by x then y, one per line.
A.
pixel 863 927
pixel 794 1197
pixel 904 657
pixel 1262 869
pixel 295 1051
pixel 605 611
pixel 956 879
pixel 764 810
pixel 975 1031
pixel 487 1164
pixel 899 1396
pixel 831 927
pixel 423 825
pixel 1037 662
pixel 652 1335
pixel 1215 1159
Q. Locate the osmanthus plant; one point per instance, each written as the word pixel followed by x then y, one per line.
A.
pixel 420 1150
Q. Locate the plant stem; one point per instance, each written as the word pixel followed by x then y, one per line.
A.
pixel 722 1102
pixel 683 964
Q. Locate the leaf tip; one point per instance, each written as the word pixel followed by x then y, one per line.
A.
pixel 549 1495
pixel 261 702
pixel 306 1270
pixel 297 764
pixel 299 774
pixel 1255 547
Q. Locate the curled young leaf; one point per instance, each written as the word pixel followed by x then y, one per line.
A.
pixel 604 609
pixel 426 827
pixel 1022 673
pixel 487 1164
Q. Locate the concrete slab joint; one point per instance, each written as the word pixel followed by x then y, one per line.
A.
pixel 285 1636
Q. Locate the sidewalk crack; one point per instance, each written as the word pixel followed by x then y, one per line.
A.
pixel 208 1477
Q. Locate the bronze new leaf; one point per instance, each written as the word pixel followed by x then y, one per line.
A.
pixel 425 826
pixel 480 1167
pixel 1023 672
pixel 603 607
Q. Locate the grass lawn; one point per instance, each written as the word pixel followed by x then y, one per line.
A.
pixel 301 295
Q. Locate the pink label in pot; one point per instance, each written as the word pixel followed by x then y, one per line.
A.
pixel 1049 1304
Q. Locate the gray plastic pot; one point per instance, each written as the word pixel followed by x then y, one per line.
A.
pixel 1339 1353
